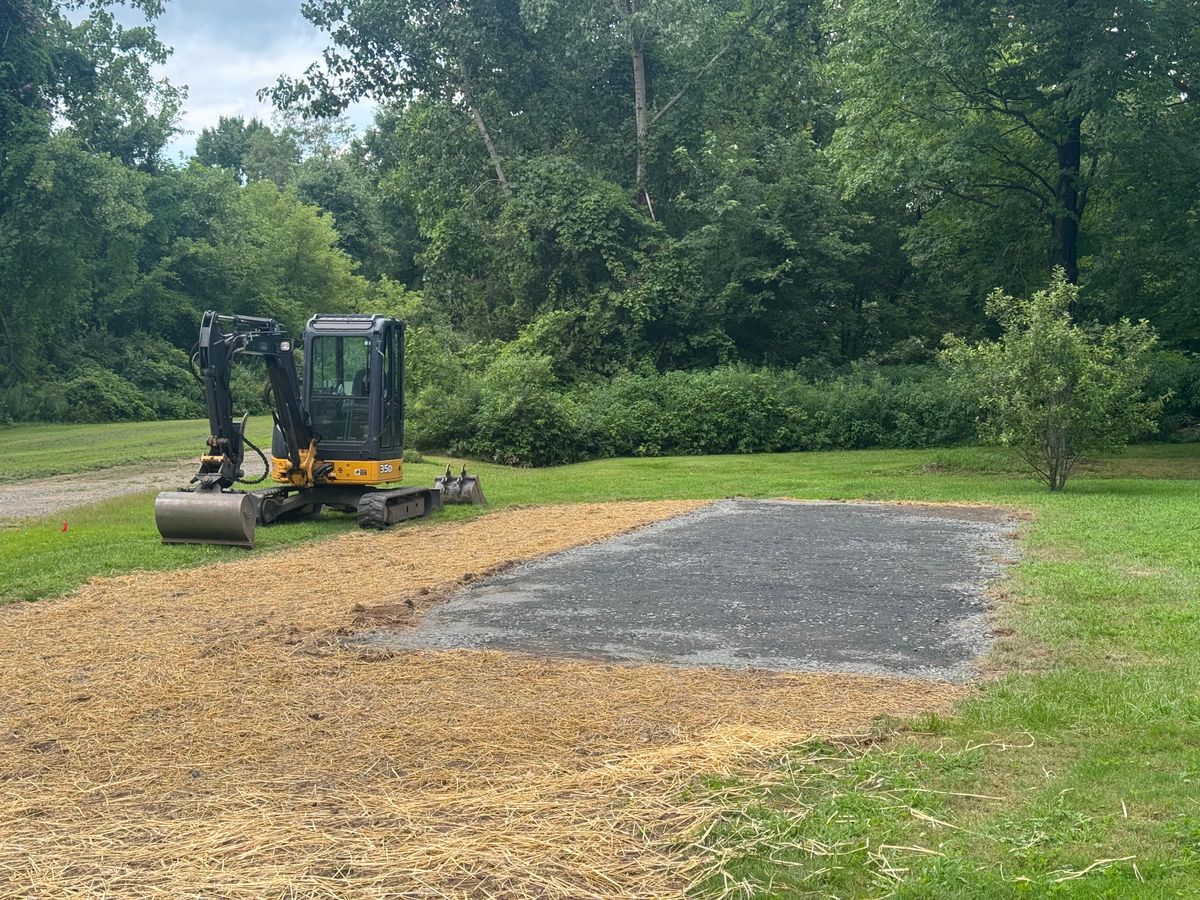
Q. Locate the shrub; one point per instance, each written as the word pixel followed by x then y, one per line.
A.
pixel 521 418
pixel 734 409
pixel 723 410
pixel 159 371
pixel 621 417
pixel 1176 378
pixel 440 419
pixel 98 395
pixel 1053 390
pixel 32 403
pixel 929 411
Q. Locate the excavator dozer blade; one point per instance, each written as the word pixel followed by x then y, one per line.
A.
pixel 205 517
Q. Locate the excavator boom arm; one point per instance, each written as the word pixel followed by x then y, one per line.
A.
pixel 217 349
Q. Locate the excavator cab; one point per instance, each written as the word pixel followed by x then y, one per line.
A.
pixel 338 437
pixel 353 391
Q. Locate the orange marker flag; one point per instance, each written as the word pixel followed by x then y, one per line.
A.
pixel 64 524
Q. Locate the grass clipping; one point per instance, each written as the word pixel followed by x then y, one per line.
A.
pixel 200 733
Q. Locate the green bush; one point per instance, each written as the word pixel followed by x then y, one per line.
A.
pixel 724 410
pixel 1176 377
pixel 440 418
pixel 929 411
pixel 159 371
pixel 1052 389
pixel 735 409
pixel 248 383
pixel 98 395
pixel 32 403
pixel 521 418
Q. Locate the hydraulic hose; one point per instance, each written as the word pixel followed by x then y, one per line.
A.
pixel 266 465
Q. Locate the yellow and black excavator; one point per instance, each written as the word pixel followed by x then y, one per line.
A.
pixel 338 438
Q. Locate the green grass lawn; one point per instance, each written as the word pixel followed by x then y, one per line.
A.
pixel 1084 753
pixel 34 451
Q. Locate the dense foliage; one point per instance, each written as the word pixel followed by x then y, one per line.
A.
pixel 661 226
pixel 520 414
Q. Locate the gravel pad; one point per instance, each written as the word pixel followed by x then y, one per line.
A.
pixel 874 588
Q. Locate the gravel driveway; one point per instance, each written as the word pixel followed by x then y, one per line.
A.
pixel 48 496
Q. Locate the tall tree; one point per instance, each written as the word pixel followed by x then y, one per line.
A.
pixel 1009 106
pixel 105 86
pixel 227 144
pixel 79 110
pixel 455 53
pixel 668 46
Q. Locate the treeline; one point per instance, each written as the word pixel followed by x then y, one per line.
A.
pixel 616 207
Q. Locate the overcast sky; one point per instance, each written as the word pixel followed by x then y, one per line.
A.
pixel 225 50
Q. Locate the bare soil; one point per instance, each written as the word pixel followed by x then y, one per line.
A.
pixel 48 496
pixel 204 733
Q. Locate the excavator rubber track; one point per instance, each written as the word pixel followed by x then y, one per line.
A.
pixel 379 509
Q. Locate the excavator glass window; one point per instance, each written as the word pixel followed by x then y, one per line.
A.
pixel 339 403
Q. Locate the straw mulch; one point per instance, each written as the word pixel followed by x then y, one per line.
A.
pixel 201 733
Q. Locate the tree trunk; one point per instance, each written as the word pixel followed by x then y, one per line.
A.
pixel 481 126
pixel 477 118
pixel 641 119
pixel 1064 239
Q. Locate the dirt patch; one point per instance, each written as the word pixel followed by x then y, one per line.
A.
pixel 47 496
pixel 199 732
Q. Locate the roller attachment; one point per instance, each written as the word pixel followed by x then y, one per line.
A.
pixel 205 517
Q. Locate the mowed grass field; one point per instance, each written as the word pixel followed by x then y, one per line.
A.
pixel 1074 771
pixel 36 451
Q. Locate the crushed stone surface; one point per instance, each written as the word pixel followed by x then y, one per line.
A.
pixel 205 733
pixel 858 587
pixel 47 496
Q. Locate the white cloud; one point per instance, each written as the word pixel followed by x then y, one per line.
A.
pixel 225 52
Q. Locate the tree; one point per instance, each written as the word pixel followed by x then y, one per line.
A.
pixel 272 156
pixel 227 144
pixel 70 229
pixel 754 200
pixel 74 124
pixel 251 150
pixel 668 45
pixel 255 249
pixel 454 53
pixel 104 86
pixel 339 186
pixel 295 264
pixel 1002 112
pixel 1052 389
